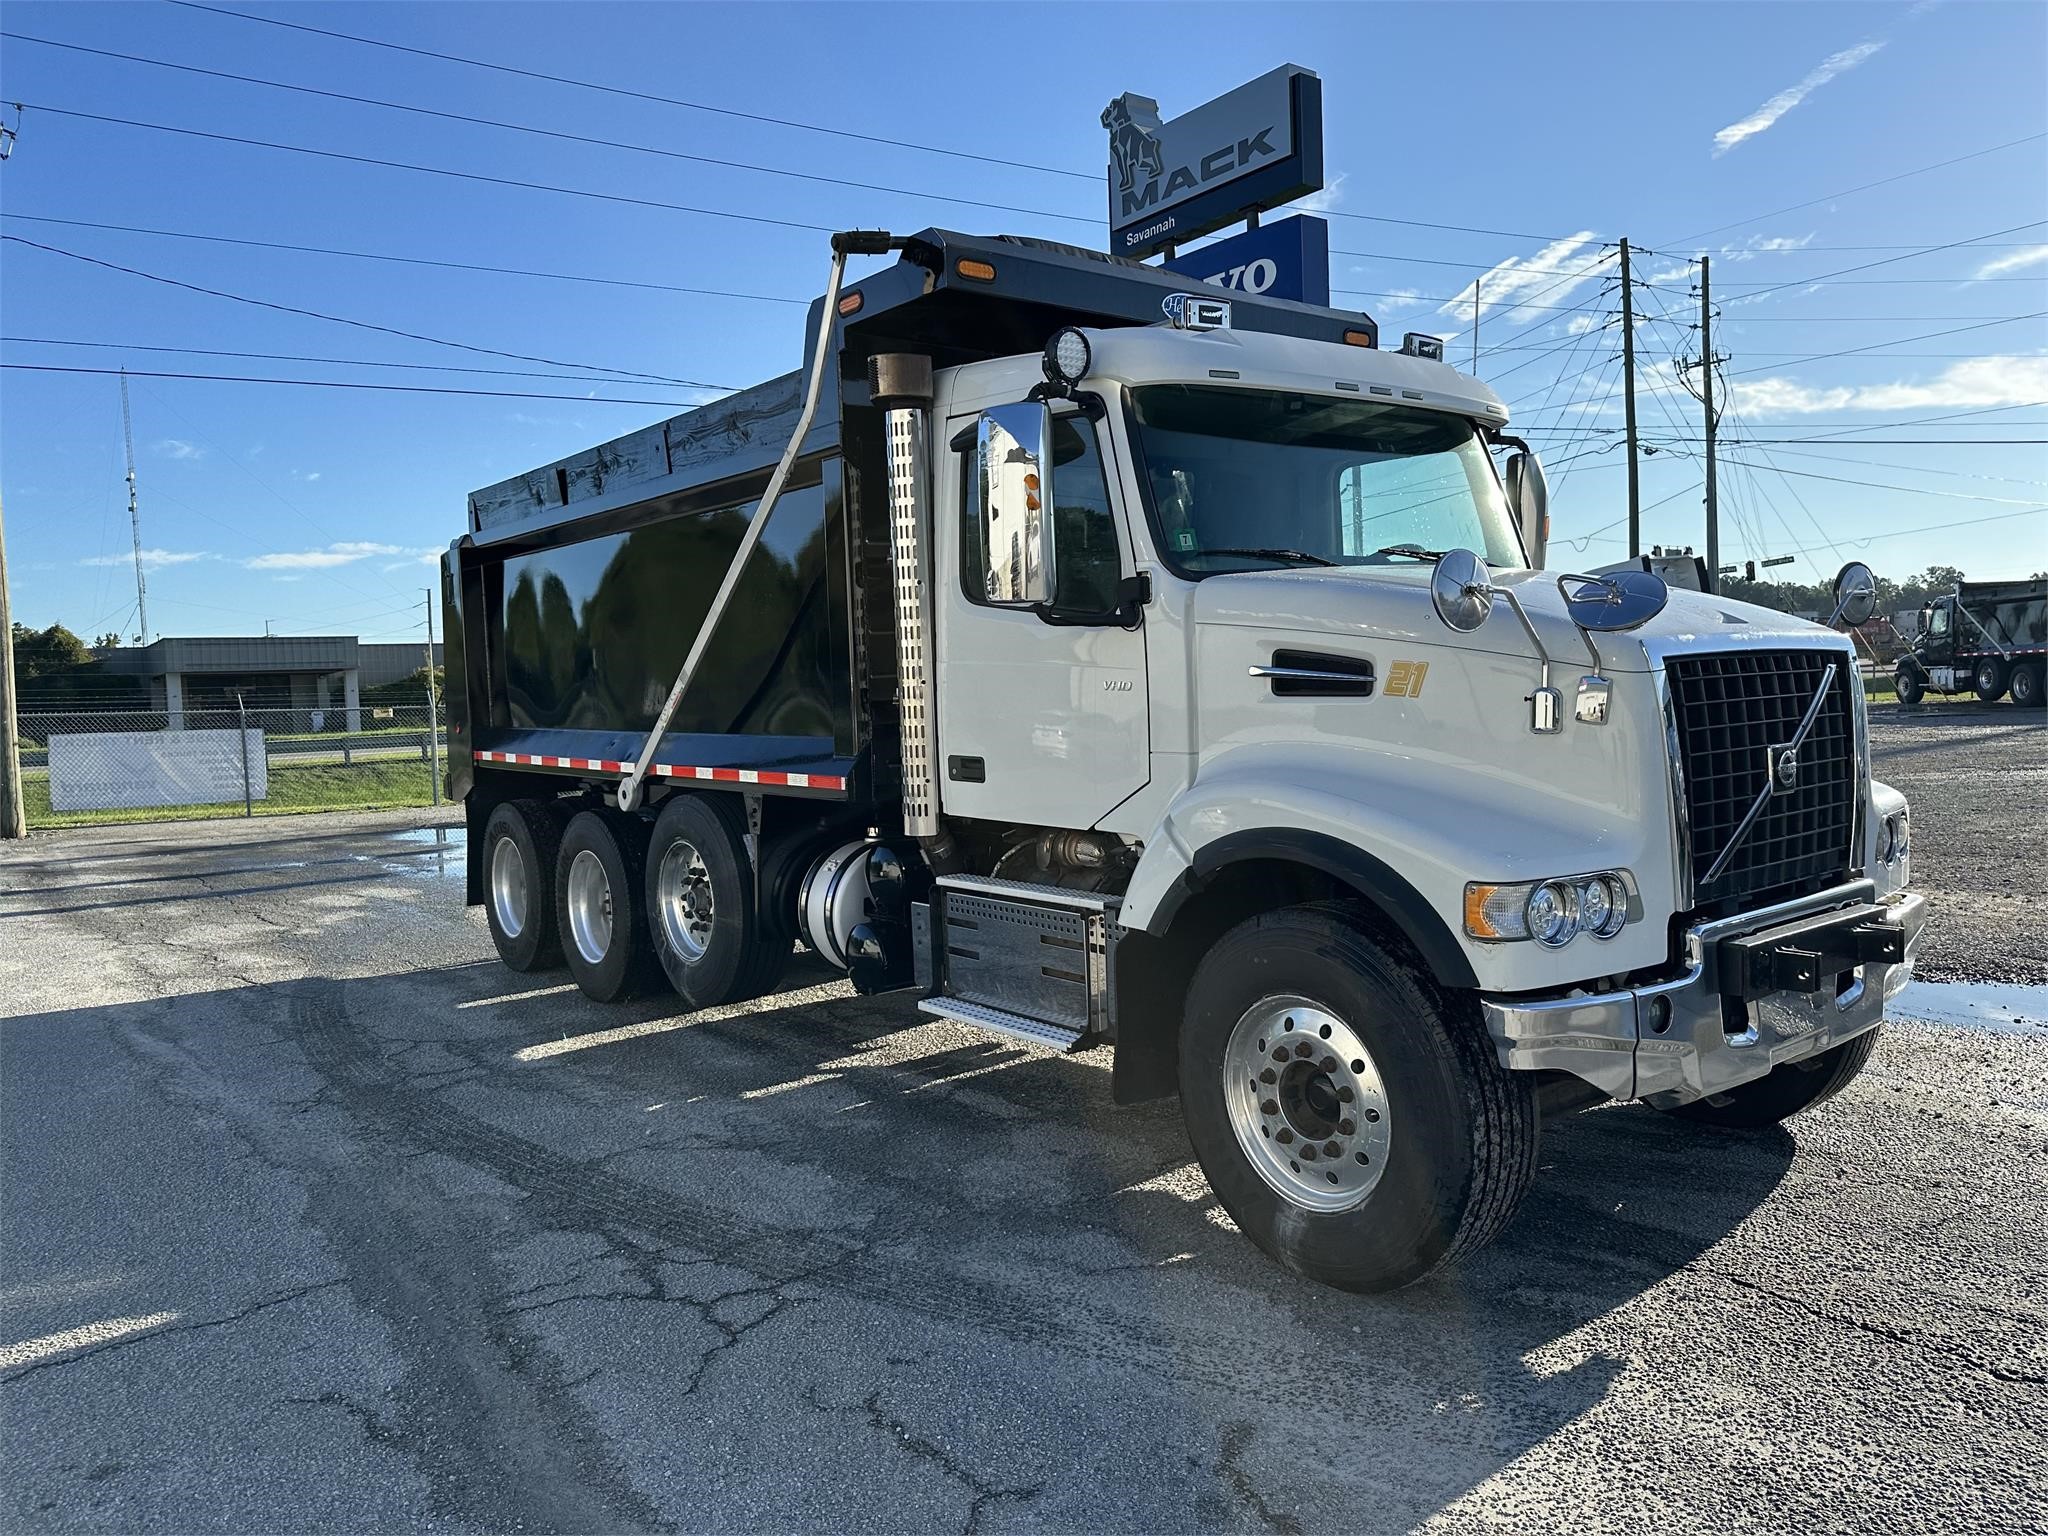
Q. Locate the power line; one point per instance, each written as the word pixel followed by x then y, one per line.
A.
pixel 1900 533
pixel 1975 154
pixel 403 389
pixel 415 261
pixel 546 133
pixel 366 325
pixel 1889 260
pixel 1879 346
pixel 784 122
pixel 619 90
pixel 296 357
pixel 1881 485
pixel 434 170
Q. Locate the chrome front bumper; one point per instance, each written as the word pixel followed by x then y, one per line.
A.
pixel 1670 1042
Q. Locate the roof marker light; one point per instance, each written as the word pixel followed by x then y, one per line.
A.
pixel 980 271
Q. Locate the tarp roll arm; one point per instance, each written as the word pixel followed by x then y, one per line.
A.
pixel 857 242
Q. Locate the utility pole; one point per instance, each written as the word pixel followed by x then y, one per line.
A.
pixel 1707 361
pixel 433 707
pixel 13 820
pixel 134 517
pixel 1628 404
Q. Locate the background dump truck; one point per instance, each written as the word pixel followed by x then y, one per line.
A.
pixel 1986 636
pixel 1117 664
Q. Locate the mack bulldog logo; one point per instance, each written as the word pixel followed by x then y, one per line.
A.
pixel 1133 124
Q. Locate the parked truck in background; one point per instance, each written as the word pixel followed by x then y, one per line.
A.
pixel 1990 637
pixel 1113 664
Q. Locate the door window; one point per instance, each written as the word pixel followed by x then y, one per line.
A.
pixel 1938 625
pixel 1086 565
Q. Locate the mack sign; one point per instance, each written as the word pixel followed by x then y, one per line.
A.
pixel 1254 148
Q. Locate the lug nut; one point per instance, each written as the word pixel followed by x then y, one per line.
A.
pixel 1346 1127
pixel 1269 1076
pixel 1268 1107
pixel 1345 1095
pixel 1327 1064
pixel 1284 1137
pixel 1332 1149
pixel 1308 1154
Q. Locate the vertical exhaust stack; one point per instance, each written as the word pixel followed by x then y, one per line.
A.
pixel 900 384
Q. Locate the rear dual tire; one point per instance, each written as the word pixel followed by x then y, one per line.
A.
pixel 1382 1139
pixel 600 911
pixel 709 934
pixel 521 841
pixel 2026 686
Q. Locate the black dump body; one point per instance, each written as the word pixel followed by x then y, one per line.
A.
pixel 579 587
pixel 2013 616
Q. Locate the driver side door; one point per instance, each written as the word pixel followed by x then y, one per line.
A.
pixel 1039 723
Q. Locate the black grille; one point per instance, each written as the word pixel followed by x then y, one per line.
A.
pixel 1731 710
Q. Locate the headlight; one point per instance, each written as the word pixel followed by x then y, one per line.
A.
pixel 1892 839
pixel 1603 906
pixel 1552 912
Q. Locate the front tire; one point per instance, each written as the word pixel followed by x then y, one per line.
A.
pixel 521 840
pixel 1784 1091
pixel 712 941
pixel 598 907
pixel 1382 1139
pixel 1990 680
pixel 1909 687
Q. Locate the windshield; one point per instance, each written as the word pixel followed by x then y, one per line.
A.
pixel 1246 479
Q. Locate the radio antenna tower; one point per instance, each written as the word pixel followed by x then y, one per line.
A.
pixel 134 516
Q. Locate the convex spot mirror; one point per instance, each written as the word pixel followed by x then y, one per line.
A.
pixel 1460 591
pixel 1013 491
pixel 1528 493
pixel 1855 594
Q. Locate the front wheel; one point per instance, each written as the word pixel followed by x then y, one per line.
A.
pixel 1783 1091
pixel 1909 687
pixel 1354 1121
pixel 1990 680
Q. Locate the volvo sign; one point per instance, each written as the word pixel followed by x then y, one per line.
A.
pixel 1257 147
pixel 1287 259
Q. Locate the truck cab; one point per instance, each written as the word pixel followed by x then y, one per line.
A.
pixel 1205 698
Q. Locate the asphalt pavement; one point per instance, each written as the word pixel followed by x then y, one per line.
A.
pixel 316 1219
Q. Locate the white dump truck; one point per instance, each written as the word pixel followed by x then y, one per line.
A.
pixel 1113 663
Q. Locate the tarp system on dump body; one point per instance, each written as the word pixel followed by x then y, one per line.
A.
pixel 580 585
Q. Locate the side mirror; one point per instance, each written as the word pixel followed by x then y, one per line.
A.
pixel 1460 591
pixel 1855 594
pixel 1013 485
pixel 1529 500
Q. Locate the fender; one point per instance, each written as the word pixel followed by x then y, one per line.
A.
pixel 1408 829
pixel 1910 663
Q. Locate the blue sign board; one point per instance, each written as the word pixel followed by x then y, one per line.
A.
pixel 1287 259
pixel 1257 147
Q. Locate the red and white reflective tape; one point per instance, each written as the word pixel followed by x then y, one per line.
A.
pixel 667 771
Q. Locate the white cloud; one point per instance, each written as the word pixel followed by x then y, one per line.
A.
pixel 1398 299
pixel 1760 243
pixel 152 559
pixel 1980 381
pixel 178 448
pixel 1503 286
pixel 423 557
pixel 1322 202
pixel 1578 325
pixel 1767 114
pixel 2014 261
pixel 334 554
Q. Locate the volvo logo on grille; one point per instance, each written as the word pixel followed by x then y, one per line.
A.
pixel 1785 769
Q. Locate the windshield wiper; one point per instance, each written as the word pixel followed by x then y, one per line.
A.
pixel 1412 551
pixel 1289 556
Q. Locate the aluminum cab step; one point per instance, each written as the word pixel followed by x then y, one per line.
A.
pixel 1021 890
pixel 997 1021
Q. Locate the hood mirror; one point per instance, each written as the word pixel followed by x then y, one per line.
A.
pixel 1615 600
pixel 1855 594
pixel 1460 591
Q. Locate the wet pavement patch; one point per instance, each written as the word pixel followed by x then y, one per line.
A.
pixel 2003 1008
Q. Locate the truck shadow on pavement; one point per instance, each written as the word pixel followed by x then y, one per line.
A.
pixel 869 1237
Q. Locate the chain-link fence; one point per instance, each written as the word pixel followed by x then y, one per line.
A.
pixel 150 765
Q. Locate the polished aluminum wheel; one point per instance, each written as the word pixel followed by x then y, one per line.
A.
pixel 590 907
pixel 1307 1104
pixel 508 887
pixel 682 900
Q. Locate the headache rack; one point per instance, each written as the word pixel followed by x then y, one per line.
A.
pixel 1728 712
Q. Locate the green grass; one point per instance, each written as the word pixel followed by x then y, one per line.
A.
pixel 293 790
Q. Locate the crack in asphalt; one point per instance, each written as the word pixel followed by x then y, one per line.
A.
pixel 931 1453
pixel 1237 1436
pixel 169 1330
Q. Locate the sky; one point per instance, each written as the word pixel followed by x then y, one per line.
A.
pixel 1511 144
